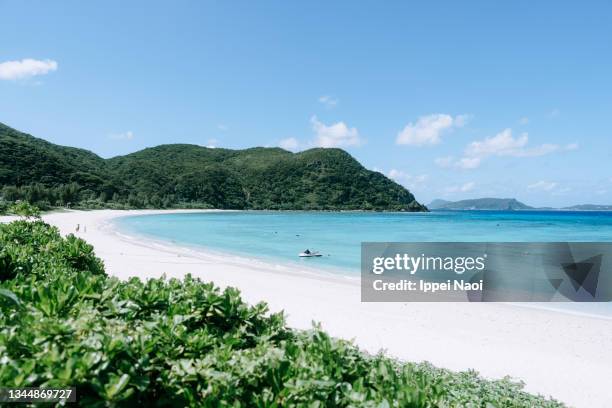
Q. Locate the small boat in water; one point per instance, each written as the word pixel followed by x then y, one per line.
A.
pixel 309 254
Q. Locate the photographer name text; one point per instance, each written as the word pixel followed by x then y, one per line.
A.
pixel 424 286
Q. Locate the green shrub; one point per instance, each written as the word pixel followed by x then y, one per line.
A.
pixel 24 209
pixel 35 248
pixel 63 322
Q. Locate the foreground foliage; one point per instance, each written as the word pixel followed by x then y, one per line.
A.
pixel 63 322
pixel 191 176
pixel 24 209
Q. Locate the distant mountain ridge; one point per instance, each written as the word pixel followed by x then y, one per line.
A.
pixel 589 207
pixel 438 203
pixel 506 204
pixel 183 175
pixel 480 204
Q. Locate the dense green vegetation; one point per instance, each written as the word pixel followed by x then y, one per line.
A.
pixel 23 209
pixel 64 322
pixel 181 175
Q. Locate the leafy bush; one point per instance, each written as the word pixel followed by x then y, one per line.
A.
pixel 24 209
pixel 35 249
pixel 4 205
pixel 63 322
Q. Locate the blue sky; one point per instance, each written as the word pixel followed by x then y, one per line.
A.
pixel 452 99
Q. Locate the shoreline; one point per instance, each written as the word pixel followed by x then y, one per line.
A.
pixel 228 258
pixel 556 354
pixel 282 266
pixel 237 259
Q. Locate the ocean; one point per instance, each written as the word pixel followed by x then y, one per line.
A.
pixel 279 237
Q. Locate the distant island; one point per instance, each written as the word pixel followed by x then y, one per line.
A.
pixel 506 204
pixel 192 176
pixel 589 207
pixel 480 204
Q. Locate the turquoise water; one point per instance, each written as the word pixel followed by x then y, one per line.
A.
pixel 280 236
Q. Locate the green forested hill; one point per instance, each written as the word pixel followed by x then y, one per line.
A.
pixel 182 175
pixel 25 160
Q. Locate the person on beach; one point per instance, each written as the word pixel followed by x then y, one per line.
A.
pixel 78 227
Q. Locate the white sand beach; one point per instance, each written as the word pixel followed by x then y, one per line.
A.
pixel 556 354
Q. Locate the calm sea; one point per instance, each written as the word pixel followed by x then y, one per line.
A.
pixel 280 236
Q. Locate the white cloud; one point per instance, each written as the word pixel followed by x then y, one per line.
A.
pixel 409 180
pixel 395 174
pixel 290 143
pixel 501 144
pixel 468 186
pixel 129 135
pixel 524 120
pixel 212 143
pixel 463 188
pixel 554 113
pixel 328 101
pixel 26 68
pixel 504 144
pixel 428 129
pixel 222 127
pixel 543 185
pixel 444 162
pixel 462 163
pixel 335 135
pixel 468 163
